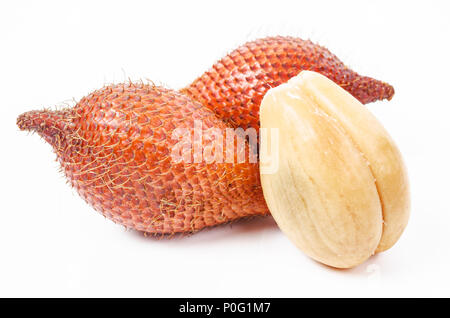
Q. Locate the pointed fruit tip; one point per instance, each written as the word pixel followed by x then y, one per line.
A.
pixel 46 123
pixel 31 120
pixel 389 91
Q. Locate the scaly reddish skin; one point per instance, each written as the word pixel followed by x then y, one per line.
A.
pixel 115 148
pixel 234 87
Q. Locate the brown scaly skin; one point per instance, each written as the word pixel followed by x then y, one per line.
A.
pixel 234 87
pixel 115 148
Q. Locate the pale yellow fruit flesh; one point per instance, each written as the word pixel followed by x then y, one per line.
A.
pixel 323 195
pixel 374 142
pixel 331 191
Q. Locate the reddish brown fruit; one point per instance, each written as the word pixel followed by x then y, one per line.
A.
pixel 115 148
pixel 233 88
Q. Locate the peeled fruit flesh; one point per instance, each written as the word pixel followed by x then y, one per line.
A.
pixel 340 192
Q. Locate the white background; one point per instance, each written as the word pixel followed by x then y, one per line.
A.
pixel 53 244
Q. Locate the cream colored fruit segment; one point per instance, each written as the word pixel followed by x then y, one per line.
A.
pixel 373 141
pixel 339 176
pixel 323 196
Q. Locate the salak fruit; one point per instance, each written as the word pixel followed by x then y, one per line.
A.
pixel 234 87
pixel 341 190
pixel 115 145
pixel 116 149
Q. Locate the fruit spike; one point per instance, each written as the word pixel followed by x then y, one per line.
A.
pixel 115 145
pixel 234 87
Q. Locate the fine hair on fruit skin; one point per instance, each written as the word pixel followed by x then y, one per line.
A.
pixel 114 146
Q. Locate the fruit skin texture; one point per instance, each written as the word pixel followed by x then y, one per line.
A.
pixel 115 148
pixel 341 190
pixel 234 87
